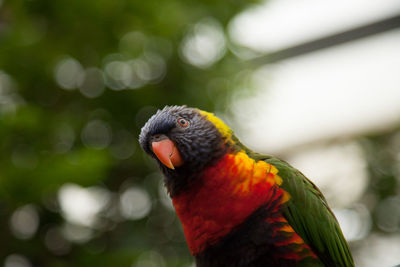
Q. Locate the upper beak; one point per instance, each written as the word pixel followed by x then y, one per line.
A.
pixel 167 153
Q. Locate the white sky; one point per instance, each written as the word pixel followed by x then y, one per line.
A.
pixel 280 23
pixel 349 89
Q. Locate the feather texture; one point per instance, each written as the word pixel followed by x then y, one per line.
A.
pixel 239 207
pixel 309 215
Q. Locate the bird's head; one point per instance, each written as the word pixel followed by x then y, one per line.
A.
pixel 184 140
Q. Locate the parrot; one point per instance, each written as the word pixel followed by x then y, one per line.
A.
pixel 238 207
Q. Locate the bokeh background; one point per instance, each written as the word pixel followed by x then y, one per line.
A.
pixel 315 83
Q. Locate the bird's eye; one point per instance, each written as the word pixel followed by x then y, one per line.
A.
pixel 183 123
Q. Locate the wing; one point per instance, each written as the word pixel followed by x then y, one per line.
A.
pixel 308 213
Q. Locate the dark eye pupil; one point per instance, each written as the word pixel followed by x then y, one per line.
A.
pixel 183 122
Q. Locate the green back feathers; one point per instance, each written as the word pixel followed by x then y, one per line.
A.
pixel 309 215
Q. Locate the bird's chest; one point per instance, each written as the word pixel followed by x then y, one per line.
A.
pixel 224 197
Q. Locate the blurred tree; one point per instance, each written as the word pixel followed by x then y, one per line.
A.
pixel 78 79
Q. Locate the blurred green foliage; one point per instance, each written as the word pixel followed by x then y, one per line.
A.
pixel 86 133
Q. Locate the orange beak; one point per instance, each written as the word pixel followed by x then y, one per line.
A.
pixel 167 153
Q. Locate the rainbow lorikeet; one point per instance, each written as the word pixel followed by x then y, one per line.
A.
pixel 239 207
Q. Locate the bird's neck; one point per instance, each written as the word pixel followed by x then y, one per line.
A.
pixel 223 196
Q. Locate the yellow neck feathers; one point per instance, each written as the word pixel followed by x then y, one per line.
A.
pixel 225 131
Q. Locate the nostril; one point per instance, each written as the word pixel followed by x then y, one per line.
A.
pixel 158 137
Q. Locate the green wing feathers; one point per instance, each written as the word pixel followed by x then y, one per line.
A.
pixel 308 213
